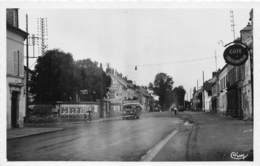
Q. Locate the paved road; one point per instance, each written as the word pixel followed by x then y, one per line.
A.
pixel 121 140
pixel 210 138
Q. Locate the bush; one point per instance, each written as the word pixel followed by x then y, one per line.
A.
pixel 40 119
pixel 40 114
pixel 41 110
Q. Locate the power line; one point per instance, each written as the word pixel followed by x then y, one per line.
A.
pixel 176 62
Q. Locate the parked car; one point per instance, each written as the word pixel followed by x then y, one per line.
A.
pixel 132 110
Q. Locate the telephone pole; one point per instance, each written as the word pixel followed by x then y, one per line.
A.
pixel 203 97
pixel 232 20
pixel 216 60
pixel 27 66
pixel 190 94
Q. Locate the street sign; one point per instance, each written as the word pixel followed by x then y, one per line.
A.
pixel 236 54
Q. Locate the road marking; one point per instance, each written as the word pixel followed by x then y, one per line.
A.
pixel 149 156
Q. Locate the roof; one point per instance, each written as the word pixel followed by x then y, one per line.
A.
pixel 225 66
pixel 249 27
pixel 121 81
pixel 17 31
pixel 144 92
pixel 208 85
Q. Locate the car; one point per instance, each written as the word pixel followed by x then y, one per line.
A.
pixel 132 110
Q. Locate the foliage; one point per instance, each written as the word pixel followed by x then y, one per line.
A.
pixel 179 95
pixel 162 87
pixel 54 77
pixel 58 78
pixel 92 79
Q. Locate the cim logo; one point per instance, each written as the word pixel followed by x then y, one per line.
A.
pixel 236 54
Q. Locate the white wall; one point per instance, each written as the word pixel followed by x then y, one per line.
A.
pixel 15 43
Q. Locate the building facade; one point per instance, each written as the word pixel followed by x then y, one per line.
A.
pixel 247 91
pixel 15 84
pixel 207 92
pixel 215 92
pixel 222 97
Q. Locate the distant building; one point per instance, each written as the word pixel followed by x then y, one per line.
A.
pixel 122 89
pixel 15 84
pixel 118 89
pixel 222 97
pixel 145 98
pixel 207 92
pixel 215 92
pixel 197 100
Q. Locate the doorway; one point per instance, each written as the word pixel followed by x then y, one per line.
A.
pixel 14 109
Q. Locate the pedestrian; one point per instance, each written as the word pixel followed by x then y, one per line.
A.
pixel 175 111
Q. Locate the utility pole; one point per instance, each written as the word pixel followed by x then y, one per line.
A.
pixel 190 94
pixel 232 20
pixel 197 84
pixel 203 97
pixel 203 77
pixel 216 61
pixel 27 66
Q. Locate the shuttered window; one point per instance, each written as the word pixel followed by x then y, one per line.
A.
pixel 17 63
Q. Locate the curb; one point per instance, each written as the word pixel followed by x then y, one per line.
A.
pixel 36 134
pixel 92 121
pixel 52 131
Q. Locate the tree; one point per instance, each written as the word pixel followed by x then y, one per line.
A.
pixel 54 78
pixel 92 79
pixel 162 87
pixel 179 95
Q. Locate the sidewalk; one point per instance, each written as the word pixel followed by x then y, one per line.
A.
pixel 43 128
pixel 28 131
pixel 210 138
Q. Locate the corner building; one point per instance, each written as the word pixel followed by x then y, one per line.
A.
pixel 15 83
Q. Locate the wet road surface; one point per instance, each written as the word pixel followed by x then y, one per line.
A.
pixel 120 140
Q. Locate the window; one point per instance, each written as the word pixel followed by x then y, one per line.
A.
pixel 12 17
pixel 17 59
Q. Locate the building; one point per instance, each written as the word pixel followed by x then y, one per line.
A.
pixel 222 96
pixel 145 98
pixel 197 99
pixel 247 91
pixel 215 92
pixel 235 79
pixel 118 89
pixel 240 80
pixel 15 84
pixel 122 89
pixel 207 93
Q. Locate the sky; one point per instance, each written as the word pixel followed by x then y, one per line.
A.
pixel 180 42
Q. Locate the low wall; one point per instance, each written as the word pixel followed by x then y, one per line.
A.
pixel 80 111
pixel 115 110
